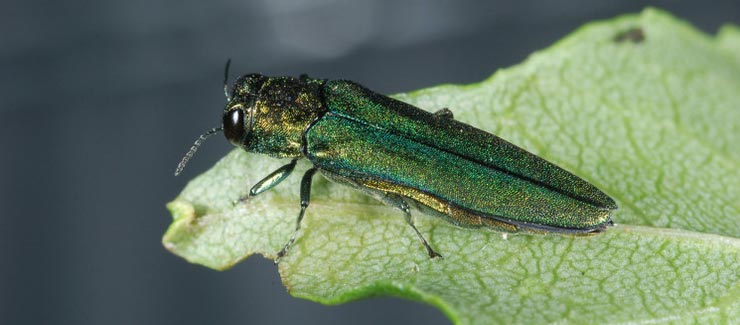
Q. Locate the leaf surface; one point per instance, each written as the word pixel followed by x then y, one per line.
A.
pixel 643 106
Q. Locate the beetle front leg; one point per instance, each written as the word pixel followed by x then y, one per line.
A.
pixel 305 200
pixel 270 181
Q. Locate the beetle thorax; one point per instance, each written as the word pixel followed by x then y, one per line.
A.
pixel 282 110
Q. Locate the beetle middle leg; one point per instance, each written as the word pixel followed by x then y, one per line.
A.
pixel 399 202
pixel 305 200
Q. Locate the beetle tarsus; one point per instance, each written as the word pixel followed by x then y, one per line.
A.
pixel 241 200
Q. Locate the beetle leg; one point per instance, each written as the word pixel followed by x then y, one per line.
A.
pixel 305 200
pixel 270 181
pixel 445 113
pixel 400 203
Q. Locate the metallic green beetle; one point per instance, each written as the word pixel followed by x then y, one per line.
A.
pixel 403 156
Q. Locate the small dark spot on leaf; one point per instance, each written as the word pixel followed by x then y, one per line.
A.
pixel 634 35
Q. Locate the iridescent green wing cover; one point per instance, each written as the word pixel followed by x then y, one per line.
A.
pixel 370 136
pixel 355 102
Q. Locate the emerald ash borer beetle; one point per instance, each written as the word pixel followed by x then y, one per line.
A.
pixel 403 156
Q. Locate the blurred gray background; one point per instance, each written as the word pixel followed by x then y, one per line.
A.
pixel 99 100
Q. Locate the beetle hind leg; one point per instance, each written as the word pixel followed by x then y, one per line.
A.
pixel 398 202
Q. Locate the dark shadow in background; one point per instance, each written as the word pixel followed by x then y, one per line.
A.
pixel 100 100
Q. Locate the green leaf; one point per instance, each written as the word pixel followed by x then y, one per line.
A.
pixel 649 117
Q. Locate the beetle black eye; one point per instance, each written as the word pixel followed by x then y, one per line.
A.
pixel 234 126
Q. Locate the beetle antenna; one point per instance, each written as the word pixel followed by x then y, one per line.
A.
pixel 226 81
pixel 194 148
